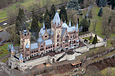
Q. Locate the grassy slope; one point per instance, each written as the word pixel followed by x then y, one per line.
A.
pixel 27 4
pixel 2 13
pixel 111 70
pixel 98 19
pixel 3 50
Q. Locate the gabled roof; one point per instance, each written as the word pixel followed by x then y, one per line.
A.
pixel 40 40
pixel 56 19
pixel 48 42
pixel 69 29
pixel 42 31
pixel 34 46
pixel 24 31
pixel 64 25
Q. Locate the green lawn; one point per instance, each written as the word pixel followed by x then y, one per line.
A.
pixel 28 5
pixel 98 20
pixel 113 35
pixel 3 19
pixel 111 71
pixel 4 50
pixel 3 14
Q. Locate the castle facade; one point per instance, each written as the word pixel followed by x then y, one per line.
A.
pixel 59 37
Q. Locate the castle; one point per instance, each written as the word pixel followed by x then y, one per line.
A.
pixel 53 45
pixel 59 37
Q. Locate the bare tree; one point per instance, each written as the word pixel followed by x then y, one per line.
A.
pixel 112 23
pixel 105 23
pixel 14 38
pixel 92 71
pixel 108 73
pixel 11 15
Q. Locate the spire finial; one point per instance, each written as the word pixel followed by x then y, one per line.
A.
pixel 21 57
pixel 69 23
pixel 43 25
pixel 77 27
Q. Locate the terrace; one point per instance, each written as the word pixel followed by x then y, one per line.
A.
pixel 53 53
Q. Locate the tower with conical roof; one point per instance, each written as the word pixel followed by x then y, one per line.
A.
pixel 25 44
pixel 56 26
pixel 12 50
pixel 21 58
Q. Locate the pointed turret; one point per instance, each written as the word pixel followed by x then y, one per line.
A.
pixel 43 25
pixel 56 19
pixel 77 28
pixel 69 23
pixel 21 58
pixel 12 50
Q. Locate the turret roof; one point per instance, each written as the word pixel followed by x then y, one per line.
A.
pixel 21 57
pixel 27 45
pixel 56 19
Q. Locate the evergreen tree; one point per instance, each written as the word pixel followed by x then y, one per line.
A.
pixel 80 1
pixel 95 40
pixel 101 3
pixel 52 11
pixel 74 4
pixel 47 19
pixel 100 12
pixel 21 21
pixel 34 25
pixel 63 14
pixel 112 4
pixel 85 25
pixel 40 17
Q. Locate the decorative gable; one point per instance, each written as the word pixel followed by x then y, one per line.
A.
pixel 46 35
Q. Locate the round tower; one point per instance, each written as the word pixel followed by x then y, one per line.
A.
pixel 25 44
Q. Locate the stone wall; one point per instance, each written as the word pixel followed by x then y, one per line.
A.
pixel 63 56
pixel 46 59
pixel 89 46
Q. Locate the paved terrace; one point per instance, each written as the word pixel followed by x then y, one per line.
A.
pixel 52 53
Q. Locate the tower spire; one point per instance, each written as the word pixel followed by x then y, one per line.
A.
pixel 77 27
pixel 56 19
pixel 69 23
pixel 43 25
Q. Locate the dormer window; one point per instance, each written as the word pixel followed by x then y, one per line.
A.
pixel 45 36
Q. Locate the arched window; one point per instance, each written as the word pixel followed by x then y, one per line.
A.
pixel 58 36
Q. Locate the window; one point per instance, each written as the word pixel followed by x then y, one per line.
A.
pixel 41 49
pixel 71 36
pixel 57 36
pixel 58 44
pixel 74 41
pixel 57 40
pixel 45 36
